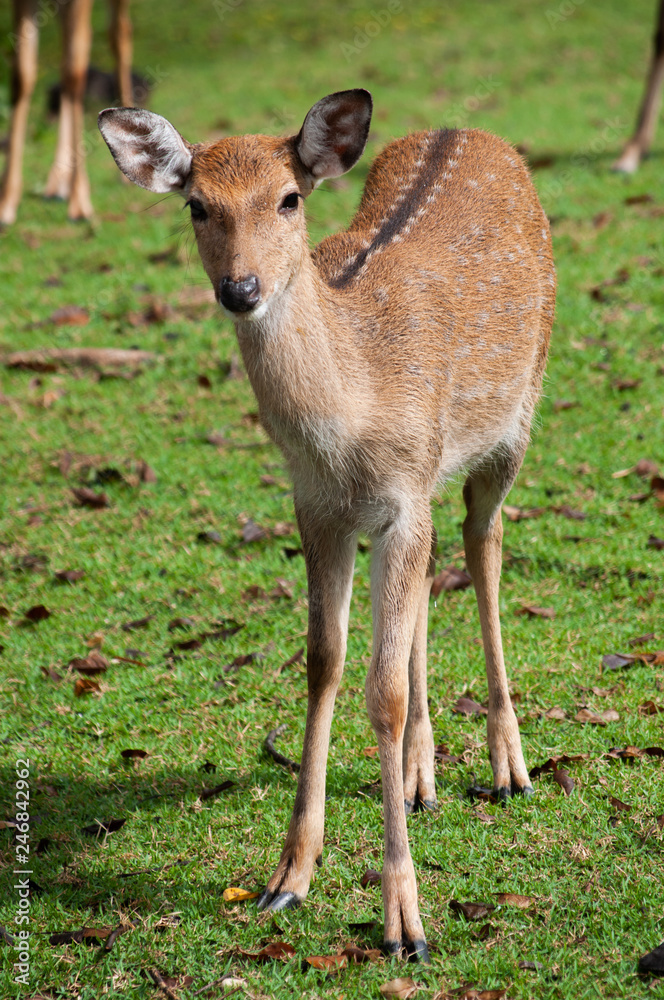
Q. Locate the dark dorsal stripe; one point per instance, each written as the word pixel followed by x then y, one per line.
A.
pixel 439 151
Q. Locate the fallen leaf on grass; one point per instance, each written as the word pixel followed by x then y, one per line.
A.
pixel 134 754
pixel 638 199
pixel 466 706
pixel 234 895
pixel 85 685
pixel 562 778
pixel 51 674
pixel 70 316
pixel 210 537
pixel 621 384
pixel 471 993
pixel 210 793
pixel 370 877
pixel 89 935
pixel 402 988
pixel 513 899
pixel 180 623
pixel 93 663
pixel 647 708
pixel 615 661
pixel 471 911
pixel 329 963
pixel 556 713
pixel 655 543
pixel 566 511
pixel 480 813
pixel 88 498
pixel 517 514
pixel 564 404
pixel 593 719
pixel 552 763
pixel 620 806
pixel 279 951
pixel 358 956
pixel 450 578
pixel 631 753
pixel 37 613
pixel 442 753
pixel 137 623
pixel 100 828
pixel 253 532
pixel 69 575
pixel 533 611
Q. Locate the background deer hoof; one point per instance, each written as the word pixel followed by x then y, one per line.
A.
pixel 419 805
pixel 273 901
pixel 414 951
pixel 506 793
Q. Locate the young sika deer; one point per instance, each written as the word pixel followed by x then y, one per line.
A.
pixel 398 353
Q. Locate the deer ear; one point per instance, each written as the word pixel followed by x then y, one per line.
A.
pixel 334 133
pixel 147 149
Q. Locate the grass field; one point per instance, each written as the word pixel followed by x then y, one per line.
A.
pixel 184 466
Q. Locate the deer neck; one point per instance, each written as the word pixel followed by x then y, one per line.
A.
pixel 298 355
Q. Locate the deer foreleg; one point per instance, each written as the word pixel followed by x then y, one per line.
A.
pixel 68 177
pixel 24 75
pixel 642 139
pixel 330 560
pixel 120 34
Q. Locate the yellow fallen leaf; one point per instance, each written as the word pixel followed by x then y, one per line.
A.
pixel 234 895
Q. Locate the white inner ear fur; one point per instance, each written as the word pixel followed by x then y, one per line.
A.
pixel 147 148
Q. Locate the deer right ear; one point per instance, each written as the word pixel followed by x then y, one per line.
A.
pixel 147 149
pixel 334 134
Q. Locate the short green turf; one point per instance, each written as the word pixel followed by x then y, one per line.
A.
pixel 561 80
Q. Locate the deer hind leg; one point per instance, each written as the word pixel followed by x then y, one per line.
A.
pixel 24 75
pixel 330 560
pixel 483 494
pixel 68 177
pixel 401 557
pixel 120 35
pixel 419 787
pixel 641 141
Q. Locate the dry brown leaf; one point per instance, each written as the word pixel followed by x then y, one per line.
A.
pixel 556 713
pixel 234 895
pixel 535 612
pixel 402 988
pixel 450 578
pixel 93 663
pixel 466 706
pixel 620 806
pixel 279 951
pixel 88 498
pixel 564 780
pixel 85 685
pixel 329 963
pixel 471 911
pixel 513 899
pixel 601 719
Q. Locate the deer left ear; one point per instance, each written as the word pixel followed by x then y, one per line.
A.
pixel 147 148
pixel 334 134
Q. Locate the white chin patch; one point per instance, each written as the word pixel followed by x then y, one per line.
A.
pixel 252 315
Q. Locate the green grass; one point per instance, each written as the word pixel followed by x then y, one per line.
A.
pixel 565 87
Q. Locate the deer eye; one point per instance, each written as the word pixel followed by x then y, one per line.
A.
pixel 198 213
pixel 289 204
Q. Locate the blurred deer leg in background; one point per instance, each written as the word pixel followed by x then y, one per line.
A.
pixel 24 75
pixel 640 143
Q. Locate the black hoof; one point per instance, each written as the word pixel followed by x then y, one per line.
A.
pixel 504 793
pixel 417 951
pixel 419 805
pixel 414 951
pixel 274 901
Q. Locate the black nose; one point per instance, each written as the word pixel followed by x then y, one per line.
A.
pixel 240 296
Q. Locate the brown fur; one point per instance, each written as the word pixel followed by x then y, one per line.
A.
pixel 403 350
